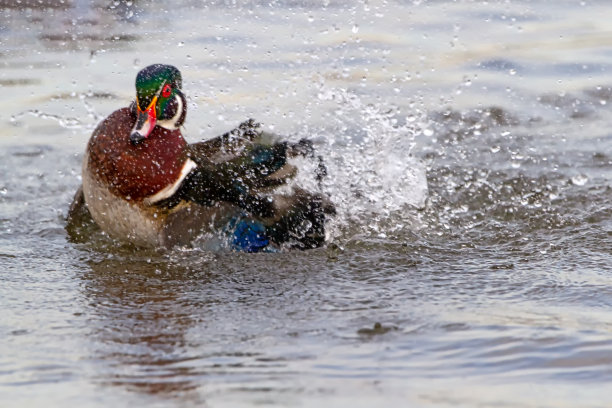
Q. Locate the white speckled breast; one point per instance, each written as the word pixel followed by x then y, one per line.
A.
pixel 148 226
pixel 120 218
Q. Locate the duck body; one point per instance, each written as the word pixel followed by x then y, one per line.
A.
pixel 144 184
pixel 122 182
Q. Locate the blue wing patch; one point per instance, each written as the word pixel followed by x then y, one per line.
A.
pixel 249 235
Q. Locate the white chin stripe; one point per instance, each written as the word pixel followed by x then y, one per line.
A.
pixel 169 190
pixel 170 124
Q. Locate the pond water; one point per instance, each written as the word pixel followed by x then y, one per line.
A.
pixel 469 154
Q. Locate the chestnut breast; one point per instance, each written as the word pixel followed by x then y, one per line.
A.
pixel 135 171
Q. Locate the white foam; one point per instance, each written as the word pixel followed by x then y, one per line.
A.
pixel 373 179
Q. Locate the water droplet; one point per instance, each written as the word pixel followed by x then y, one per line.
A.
pixel 355 29
pixel 181 44
pixel 512 71
pixel 580 180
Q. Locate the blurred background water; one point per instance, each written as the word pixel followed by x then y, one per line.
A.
pixel 468 147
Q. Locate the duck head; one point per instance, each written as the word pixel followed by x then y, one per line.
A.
pixel 159 101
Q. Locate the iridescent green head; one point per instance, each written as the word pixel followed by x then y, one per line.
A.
pixel 159 100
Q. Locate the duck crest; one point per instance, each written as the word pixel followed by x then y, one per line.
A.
pixel 135 171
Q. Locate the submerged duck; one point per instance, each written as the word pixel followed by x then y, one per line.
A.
pixel 144 184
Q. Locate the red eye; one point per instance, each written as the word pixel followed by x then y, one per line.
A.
pixel 166 91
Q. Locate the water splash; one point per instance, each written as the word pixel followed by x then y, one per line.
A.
pixel 373 178
pixel 65 121
pixel 91 111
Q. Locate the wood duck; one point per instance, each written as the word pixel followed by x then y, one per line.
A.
pixel 144 184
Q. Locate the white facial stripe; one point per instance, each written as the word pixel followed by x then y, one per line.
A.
pixel 170 124
pixel 169 190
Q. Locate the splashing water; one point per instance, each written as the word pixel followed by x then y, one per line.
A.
pixel 65 121
pixel 373 179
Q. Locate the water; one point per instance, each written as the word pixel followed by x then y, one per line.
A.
pixel 469 150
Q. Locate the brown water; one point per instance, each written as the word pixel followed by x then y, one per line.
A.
pixel 468 147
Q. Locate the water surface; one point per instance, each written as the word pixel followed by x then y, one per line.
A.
pixel 468 145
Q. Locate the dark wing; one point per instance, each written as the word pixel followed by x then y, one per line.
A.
pixel 243 167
